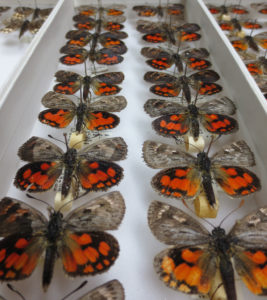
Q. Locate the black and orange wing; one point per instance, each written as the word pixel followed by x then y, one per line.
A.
pixel 69 82
pixel 100 120
pixel 197 64
pixel 155 37
pixel 61 110
pixel 84 22
pixel 120 35
pixel 166 90
pixel 87 10
pixel 75 55
pixel 86 253
pixel 117 46
pixel 172 125
pixel 108 57
pixel 145 10
pixel 251 25
pixel 261 39
pixel 218 124
pixel 186 36
pixel 112 26
pixel 238 10
pixel 240 45
pixel 106 84
pixel 78 37
pixel 190 270
pixel 175 9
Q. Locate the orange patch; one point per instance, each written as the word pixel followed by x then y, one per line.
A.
pixel 2 254
pixel 11 259
pixel 190 256
pixel 258 257
pixel 91 253
pixel 10 274
pixel 167 265
pixel 21 243
pixel 21 261
pixel 69 263
pixel 104 248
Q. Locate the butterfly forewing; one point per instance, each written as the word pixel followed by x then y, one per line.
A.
pixel 102 213
pixel 112 290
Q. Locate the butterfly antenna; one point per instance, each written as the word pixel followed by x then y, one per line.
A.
pixel 185 204
pixel 195 101
pixel 51 137
pixel 40 200
pixel 15 291
pixel 211 142
pixel 231 212
pixel 77 289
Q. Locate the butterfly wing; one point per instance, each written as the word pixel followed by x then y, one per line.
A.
pixel 44 168
pixel 61 110
pixel 190 270
pixel 111 149
pixel 261 39
pixel 78 37
pixel 109 103
pixel 145 10
pixel 111 290
pixel 172 226
pixel 158 107
pixel 229 172
pixel 159 77
pixel 249 238
pixel 105 84
pixel 69 82
pixel 102 213
pixel 213 116
pixel 75 55
pixel 108 57
pixel 86 253
pixel 159 155
pixel 155 37
pixel 21 247
pixel 100 120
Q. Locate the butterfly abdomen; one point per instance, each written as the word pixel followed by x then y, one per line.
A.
pixel 49 262
pixel 252 43
pixel 193 111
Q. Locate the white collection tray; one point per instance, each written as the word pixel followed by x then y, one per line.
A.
pixel 18 122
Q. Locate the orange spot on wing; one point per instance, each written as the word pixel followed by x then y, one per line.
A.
pixel 104 248
pixel 21 243
pixel 11 259
pixel 10 274
pixel 88 269
pixel 69 263
pixel 190 256
pixel 91 253
pixel 258 257
pixel 167 265
pixel 2 254
pixel 21 261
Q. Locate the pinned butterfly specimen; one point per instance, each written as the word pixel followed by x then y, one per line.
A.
pixel 93 114
pixel 111 290
pixel 162 59
pixel 252 42
pixel 92 167
pixel 22 25
pixel 258 67
pixel 78 239
pixel 195 255
pixel 260 7
pixel 184 176
pixel 224 10
pixel 176 119
pixel 102 85
pixel 151 11
pixel 111 10
pixel 110 40
pixel 159 32
pixel 170 86
pixel 76 55
pixel 109 23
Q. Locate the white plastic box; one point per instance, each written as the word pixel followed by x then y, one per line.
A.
pixel 18 122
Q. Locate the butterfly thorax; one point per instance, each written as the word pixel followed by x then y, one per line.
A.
pixel 193 116
pixel 54 227
pixel 203 162
pixel 236 24
pixel 69 161
pixel 70 157
pixel 81 109
pixel 184 82
pixel 251 42
pixel 220 241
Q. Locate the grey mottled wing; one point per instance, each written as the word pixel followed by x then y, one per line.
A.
pixel 158 107
pixel 109 103
pixel 102 213
pixel 17 216
pixel 172 226
pixel 111 149
pixel 235 154
pixel 117 19
pixel 11 25
pixel 251 230
pixel 223 106
pixel 39 149
pixel 159 155
pixel 56 100
pixel 111 290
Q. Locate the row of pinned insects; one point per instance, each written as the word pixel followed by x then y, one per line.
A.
pixel 240 27
pixel 25 19
pixel 189 265
pixel 104 20
pixel 80 238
